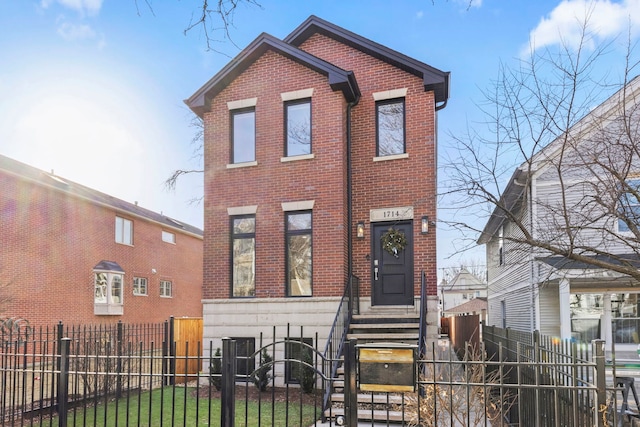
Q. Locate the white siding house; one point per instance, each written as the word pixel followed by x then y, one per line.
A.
pixel 577 198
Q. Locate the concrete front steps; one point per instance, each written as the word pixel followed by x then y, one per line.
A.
pixel 382 328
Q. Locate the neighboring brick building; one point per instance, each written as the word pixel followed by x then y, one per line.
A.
pixel 72 254
pixel 305 138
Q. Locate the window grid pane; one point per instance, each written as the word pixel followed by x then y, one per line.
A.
pixel 244 136
pixel 139 286
pixel 165 288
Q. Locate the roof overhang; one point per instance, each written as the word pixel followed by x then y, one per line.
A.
pixel 433 79
pixel 338 79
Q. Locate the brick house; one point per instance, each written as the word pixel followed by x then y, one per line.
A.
pixel 315 146
pixel 76 255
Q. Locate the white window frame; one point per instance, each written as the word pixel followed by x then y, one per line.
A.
pixel 501 245
pixel 138 284
pixel 106 299
pixel 168 237
pixel 628 205
pixel 124 231
pixel 164 288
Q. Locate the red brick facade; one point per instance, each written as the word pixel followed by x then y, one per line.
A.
pixel 324 179
pixel 53 234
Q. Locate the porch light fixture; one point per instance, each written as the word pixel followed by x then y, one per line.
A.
pixel 360 230
pixel 424 225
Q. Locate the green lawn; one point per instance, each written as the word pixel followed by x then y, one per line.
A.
pixel 177 407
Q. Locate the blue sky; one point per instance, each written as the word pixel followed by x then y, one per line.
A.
pixel 93 89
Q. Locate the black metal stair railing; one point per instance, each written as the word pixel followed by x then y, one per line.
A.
pixel 338 334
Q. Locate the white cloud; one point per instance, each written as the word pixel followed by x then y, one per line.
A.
pixel 88 7
pixel 604 18
pixel 71 32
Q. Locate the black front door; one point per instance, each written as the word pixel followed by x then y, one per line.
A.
pixel 392 270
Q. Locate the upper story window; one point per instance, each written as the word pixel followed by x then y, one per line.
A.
pixel 298 127
pixel 629 205
pixel 168 237
pixel 501 245
pixel 299 249
pixel 139 286
pixel 108 281
pixel 390 127
pixel 124 231
pixel 243 256
pixel 166 288
pixel 243 135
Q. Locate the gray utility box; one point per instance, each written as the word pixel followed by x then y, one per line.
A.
pixel 387 367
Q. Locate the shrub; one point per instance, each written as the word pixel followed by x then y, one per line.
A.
pixel 215 370
pixel 261 377
pixel 308 377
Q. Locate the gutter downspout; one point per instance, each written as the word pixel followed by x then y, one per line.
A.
pixel 349 197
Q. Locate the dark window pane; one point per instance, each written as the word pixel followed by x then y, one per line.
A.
pixel 299 248
pixel 629 205
pixel 390 128
pixel 296 349
pixel 244 225
pixel 298 128
pixel 244 267
pixel 300 221
pixel 245 361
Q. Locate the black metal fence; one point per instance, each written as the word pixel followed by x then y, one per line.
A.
pixel 126 375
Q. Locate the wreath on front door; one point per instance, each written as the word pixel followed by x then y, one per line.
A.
pixel 394 241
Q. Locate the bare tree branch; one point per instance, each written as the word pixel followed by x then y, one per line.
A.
pixel 542 124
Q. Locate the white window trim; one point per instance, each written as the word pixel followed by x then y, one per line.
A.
pixel 124 221
pixel 305 205
pixel 296 94
pixel 242 103
pixel 109 307
pixel 391 157
pixel 242 210
pixel 138 294
pixel 171 282
pixel 300 157
pixel 390 94
pixel 241 165
pixel 166 233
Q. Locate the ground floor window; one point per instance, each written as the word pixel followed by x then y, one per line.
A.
pixel 297 349
pixel 245 358
pixel 588 317
pixel 625 319
pixel 108 289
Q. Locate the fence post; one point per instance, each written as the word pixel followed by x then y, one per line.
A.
pixel 63 381
pixel 119 337
pixel 172 351
pixel 597 347
pixel 228 404
pixel 350 389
